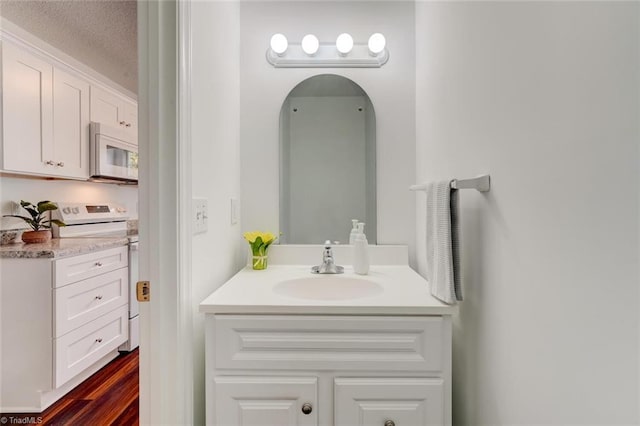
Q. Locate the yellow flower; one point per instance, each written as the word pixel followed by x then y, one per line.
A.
pixel 265 237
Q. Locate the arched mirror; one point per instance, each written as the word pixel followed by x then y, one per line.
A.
pixel 327 161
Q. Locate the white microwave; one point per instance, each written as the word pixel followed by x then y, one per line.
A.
pixel 112 158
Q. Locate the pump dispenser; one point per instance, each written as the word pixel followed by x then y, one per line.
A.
pixel 361 252
pixel 354 231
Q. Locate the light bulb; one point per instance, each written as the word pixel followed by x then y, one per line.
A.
pixel 279 44
pixel 377 43
pixel 310 44
pixel 344 44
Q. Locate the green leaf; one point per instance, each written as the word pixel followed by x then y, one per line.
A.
pixel 44 206
pixel 25 203
pixel 33 212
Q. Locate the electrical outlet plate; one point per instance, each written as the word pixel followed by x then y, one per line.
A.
pixel 200 215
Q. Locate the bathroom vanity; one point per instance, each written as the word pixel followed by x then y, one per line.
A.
pixel 285 347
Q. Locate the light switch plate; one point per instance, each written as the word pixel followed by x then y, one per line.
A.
pixel 235 210
pixel 200 215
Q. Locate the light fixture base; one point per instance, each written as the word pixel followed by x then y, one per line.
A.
pixel 328 56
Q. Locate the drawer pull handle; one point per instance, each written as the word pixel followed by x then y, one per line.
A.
pixel 122 123
pixel 99 340
pixel 60 164
pixel 99 297
pixel 307 408
pixel 128 125
pixel 49 163
pixel 98 264
pixel 389 423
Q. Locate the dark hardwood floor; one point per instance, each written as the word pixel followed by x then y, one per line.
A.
pixel 109 397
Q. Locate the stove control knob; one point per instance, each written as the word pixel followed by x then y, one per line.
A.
pixel 66 210
pixel 75 210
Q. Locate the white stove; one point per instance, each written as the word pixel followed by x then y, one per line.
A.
pixel 105 220
pixel 90 220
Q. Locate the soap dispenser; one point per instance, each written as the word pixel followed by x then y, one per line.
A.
pixel 354 231
pixel 361 252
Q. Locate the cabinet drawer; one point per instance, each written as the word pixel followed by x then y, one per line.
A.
pixel 329 343
pixel 80 348
pixel 78 303
pixel 375 401
pixel 77 268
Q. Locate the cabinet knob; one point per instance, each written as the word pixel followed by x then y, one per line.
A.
pixel 99 340
pixel 49 163
pixel 128 125
pixel 60 164
pixel 98 264
pixel 122 123
pixel 99 297
pixel 389 423
pixel 307 408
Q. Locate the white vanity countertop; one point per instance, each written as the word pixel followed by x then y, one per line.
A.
pixel 404 292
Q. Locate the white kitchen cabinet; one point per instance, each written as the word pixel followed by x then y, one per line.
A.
pixel 27 112
pixel 45 117
pixel 388 401
pixel 370 370
pixel 110 109
pixel 61 320
pixel 70 125
pixel 266 401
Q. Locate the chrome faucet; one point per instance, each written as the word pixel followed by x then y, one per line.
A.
pixel 328 265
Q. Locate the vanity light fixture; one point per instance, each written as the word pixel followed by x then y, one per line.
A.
pixel 310 44
pixel 376 44
pixel 344 44
pixel 344 53
pixel 279 44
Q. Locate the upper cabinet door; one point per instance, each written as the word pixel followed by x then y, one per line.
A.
pixel 114 111
pixel 70 125
pixel 27 113
pixel 389 401
pixel 265 401
pixel 106 108
pixel 131 121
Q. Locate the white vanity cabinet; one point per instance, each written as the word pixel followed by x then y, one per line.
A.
pixel 45 123
pixel 328 370
pixel 61 320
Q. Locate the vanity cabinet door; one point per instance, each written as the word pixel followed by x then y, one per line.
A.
pixel 388 401
pixel 265 401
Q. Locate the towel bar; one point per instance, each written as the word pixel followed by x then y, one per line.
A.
pixel 481 183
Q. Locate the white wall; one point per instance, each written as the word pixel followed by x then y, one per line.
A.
pixel 221 252
pixel 391 89
pixel 13 189
pixel 545 97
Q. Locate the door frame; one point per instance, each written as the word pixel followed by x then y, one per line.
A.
pixel 166 328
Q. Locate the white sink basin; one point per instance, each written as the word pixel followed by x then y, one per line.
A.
pixel 333 287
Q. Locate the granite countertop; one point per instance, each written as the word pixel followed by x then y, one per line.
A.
pixel 59 247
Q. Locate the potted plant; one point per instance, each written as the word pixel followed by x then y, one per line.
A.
pixel 39 221
pixel 259 243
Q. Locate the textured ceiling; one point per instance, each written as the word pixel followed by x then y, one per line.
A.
pixel 102 34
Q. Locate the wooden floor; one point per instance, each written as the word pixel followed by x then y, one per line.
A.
pixel 109 397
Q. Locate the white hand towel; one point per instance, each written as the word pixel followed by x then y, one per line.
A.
pixel 443 263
